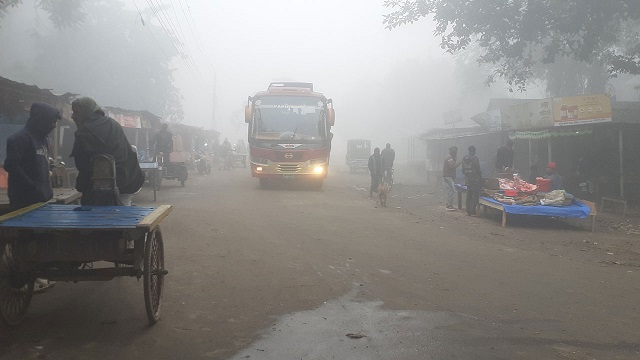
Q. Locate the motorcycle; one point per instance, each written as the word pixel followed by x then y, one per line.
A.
pixel 202 164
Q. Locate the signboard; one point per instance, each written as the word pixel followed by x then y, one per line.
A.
pixel 491 120
pixel 127 121
pixel 585 109
pixel 537 114
pixel 452 117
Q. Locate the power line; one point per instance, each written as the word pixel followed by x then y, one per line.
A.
pixel 172 37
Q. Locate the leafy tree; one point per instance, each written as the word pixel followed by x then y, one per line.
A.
pixel 63 14
pixel 515 35
pixel 109 55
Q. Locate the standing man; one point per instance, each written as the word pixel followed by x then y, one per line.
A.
pixel 99 134
pixel 375 168
pixel 388 156
pixel 556 179
pixel 504 157
pixel 449 174
pixel 163 141
pixel 27 163
pixel 473 179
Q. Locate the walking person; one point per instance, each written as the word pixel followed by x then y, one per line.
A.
pixel 375 168
pixel 388 155
pixel 473 179
pixel 449 174
pixel 27 164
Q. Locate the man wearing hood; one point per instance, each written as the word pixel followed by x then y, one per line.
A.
pixel 99 134
pixel 27 159
pixel 27 164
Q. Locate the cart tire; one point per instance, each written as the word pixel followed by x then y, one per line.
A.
pixel 14 298
pixel 153 279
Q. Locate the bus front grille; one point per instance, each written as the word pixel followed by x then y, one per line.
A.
pixel 288 168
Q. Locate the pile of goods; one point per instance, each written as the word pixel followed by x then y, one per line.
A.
pixel 517 184
pixel 552 198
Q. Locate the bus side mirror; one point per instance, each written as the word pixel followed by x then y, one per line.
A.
pixel 331 116
pixel 248 114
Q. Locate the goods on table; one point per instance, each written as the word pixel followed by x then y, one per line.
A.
pixel 517 184
pixel 544 185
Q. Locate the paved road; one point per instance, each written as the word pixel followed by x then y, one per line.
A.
pixel 293 273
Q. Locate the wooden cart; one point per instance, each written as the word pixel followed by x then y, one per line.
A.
pixel 60 242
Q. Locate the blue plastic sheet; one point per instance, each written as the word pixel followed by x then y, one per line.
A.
pixel 575 210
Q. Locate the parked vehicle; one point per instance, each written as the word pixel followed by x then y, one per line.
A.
pixel 358 152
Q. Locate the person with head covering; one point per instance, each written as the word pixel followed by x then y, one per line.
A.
pixel 99 134
pixel 27 161
pixel 473 179
pixel 27 164
pixel 449 175
pixel 375 168
pixel 556 179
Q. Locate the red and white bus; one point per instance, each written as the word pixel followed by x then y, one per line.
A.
pixel 289 133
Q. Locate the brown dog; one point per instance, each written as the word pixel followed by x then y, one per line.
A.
pixel 383 190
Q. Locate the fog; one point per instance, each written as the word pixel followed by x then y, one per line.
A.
pixel 386 85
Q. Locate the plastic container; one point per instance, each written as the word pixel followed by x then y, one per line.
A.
pixel 544 185
pixel 511 193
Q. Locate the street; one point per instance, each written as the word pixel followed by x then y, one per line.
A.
pixel 294 273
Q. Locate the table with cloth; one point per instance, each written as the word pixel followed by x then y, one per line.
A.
pixel 579 209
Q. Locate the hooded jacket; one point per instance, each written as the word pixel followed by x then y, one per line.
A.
pixel 99 134
pixel 27 159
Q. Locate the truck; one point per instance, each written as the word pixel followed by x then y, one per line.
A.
pixel 289 133
pixel 358 152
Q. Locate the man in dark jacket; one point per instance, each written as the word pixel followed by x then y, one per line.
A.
pixel 27 163
pixel 27 159
pixel 99 134
pixel 388 156
pixel 504 157
pixel 375 168
pixel 163 141
pixel 473 179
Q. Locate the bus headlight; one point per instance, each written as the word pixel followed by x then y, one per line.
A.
pixel 318 169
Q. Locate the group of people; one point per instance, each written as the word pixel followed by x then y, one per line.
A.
pixel 473 174
pixel 27 157
pixel 381 167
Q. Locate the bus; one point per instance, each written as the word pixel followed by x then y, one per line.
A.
pixel 289 133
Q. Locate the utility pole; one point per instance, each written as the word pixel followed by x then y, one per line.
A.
pixel 214 122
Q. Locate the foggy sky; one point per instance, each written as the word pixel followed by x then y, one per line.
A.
pixel 386 85
pixel 340 46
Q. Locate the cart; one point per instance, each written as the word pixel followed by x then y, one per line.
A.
pixel 62 243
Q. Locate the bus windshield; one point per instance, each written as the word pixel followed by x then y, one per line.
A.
pixel 289 118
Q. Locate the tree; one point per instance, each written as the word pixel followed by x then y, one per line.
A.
pixel 516 35
pixel 110 56
pixel 63 14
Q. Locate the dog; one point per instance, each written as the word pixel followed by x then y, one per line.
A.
pixel 383 190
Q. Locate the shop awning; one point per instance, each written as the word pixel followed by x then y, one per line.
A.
pixel 548 133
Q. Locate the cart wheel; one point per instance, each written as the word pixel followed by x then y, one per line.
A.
pixel 16 288
pixel 153 277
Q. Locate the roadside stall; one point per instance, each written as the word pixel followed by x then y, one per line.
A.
pixel 516 196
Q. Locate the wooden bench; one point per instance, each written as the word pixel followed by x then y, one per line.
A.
pixel 612 200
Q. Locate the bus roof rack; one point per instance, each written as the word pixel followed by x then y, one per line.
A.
pixel 303 85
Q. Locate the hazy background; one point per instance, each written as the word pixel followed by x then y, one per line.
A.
pixel 387 86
